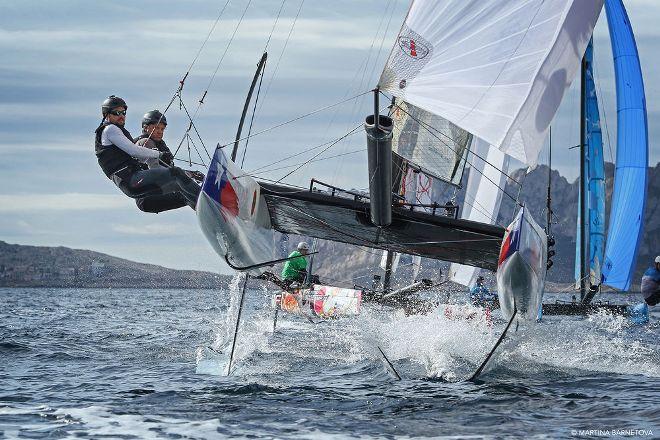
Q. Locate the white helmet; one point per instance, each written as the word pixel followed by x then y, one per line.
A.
pixel 657 259
pixel 303 246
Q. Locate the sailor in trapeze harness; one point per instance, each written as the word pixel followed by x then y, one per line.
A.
pixel 123 162
pixel 154 124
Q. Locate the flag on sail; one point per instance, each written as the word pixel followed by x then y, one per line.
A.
pixel 632 151
pixel 498 69
pixel 594 182
pixel 483 197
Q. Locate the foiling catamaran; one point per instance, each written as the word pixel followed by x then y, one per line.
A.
pixel 466 81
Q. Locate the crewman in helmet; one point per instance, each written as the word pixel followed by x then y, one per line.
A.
pixel 122 161
pixel 295 269
pixel 154 124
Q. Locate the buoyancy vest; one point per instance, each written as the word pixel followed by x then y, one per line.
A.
pixel 112 158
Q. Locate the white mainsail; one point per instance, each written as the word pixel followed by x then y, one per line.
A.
pixel 483 197
pixel 496 68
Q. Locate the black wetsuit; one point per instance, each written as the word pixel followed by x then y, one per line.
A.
pixel 162 202
pixel 138 182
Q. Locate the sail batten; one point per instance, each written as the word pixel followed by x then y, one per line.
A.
pixel 629 197
pixel 496 68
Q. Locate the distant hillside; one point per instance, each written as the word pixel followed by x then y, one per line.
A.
pixel 37 266
pixel 347 263
pixel 564 205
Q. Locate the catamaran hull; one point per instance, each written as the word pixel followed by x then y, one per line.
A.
pixel 519 288
pixel 242 243
pixel 522 268
pixel 232 216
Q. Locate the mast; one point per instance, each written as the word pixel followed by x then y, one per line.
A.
pixel 583 178
pixel 548 208
pixel 260 67
pixel 549 197
pixel 387 280
pixel 379 148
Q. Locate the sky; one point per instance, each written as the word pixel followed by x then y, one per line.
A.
pixel 61 59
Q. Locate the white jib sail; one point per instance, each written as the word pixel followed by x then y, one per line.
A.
pixel 496 68
pixel 483 197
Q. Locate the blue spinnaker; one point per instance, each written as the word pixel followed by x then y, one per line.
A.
pixel 629 198
pixel 594 181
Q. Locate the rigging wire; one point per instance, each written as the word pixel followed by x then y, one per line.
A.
pixel 274 25
pixel 332 144
pixel 254 111
pixel 277 64
pixel 254 108
pixel 187 134
pixel 199 51
pixel 382 41
pixel 206 39
pixel 300 153
pixel 297 118
pixel 602 105
pixel 432 130
pixel 358 104
pixel 211 80
pixel 222 57
pixel 256 174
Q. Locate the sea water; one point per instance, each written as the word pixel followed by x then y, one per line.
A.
pixel 132 363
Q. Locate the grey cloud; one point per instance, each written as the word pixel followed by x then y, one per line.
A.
pixel 61 59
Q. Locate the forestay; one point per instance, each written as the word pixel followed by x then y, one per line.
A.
pixel 496 68
pixel 628 200
pixel 430 143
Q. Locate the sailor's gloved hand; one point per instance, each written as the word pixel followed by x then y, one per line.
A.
pixel 195 175
pixel 166 157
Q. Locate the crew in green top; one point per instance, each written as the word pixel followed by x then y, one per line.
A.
pixel 295 270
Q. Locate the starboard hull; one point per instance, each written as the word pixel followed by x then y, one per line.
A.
pixel 522 268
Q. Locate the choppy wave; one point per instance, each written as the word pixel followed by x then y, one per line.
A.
pixel 151 364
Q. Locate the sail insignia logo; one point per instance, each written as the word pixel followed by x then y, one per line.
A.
pixel 413 48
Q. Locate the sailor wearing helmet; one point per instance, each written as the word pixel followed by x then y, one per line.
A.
pixel 154 124
pixel 122 161
pixel 295 269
